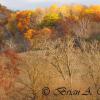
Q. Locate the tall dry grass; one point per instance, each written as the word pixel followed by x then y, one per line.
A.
pixel 59 63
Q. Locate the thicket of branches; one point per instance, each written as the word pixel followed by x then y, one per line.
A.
pixel 62 38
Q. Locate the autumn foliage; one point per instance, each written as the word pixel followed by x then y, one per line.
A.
pixel 67 19
pixel 8 69
pixel 53 35
pixel 23 19
pixel 54 15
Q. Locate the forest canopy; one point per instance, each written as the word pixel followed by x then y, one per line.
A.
pixel 77 20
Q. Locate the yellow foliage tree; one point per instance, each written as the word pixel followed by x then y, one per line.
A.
pixel 65 10
pixel 54 8
pixel 50 19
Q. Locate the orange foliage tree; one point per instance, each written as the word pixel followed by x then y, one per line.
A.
pixel 23 19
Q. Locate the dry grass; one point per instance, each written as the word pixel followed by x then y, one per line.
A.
pixel 61 65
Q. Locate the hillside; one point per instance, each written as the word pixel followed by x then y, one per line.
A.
pixel 4 14
pixel 50 53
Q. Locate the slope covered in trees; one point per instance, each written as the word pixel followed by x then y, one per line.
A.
pixel 75 20
pixel 63 49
